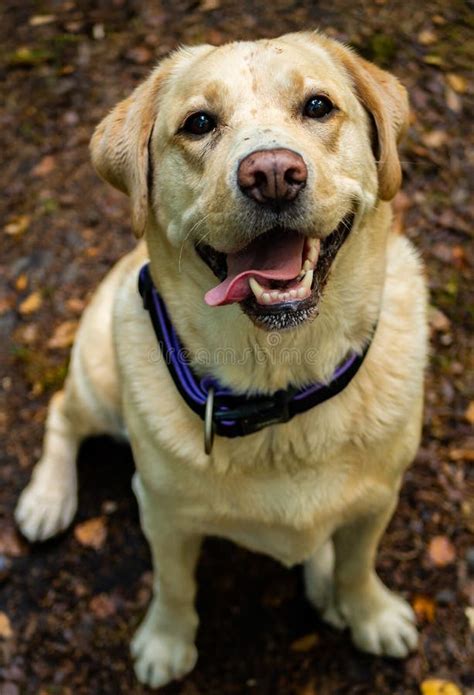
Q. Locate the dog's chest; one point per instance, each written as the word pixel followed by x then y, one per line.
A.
pixel 285 516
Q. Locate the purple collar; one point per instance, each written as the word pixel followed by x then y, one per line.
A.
pixel 224 412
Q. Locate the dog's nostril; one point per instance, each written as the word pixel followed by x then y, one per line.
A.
pixel 295 176
pixel 260 179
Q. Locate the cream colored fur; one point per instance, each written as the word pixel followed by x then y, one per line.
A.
pixel 320 489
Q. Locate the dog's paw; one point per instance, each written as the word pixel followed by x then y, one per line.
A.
pixel 44 511
pixel 381 624
pixel 161 658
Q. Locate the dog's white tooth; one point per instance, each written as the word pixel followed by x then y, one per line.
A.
pixel 302 292
pixel 275 294
pixel 293 293
pixel 307 265
pixel 286 295
pixel 313 251
pixel 256 287
pixel 266 299
pixel 307 280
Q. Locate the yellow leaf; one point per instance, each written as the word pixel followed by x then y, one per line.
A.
pixel 469 414
pixel 456 82
pixel 435 138
pixel 5 627
pixel 424 608
pixel 63 336
pixel 17 225
pixel 438 686
pixel 31 304
pixel 21 283
pixel 427 37
pixel 38 20
pixel 91 533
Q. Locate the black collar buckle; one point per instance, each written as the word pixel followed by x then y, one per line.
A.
pixel 256 413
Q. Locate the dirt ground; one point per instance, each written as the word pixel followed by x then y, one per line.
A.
pixel 69 607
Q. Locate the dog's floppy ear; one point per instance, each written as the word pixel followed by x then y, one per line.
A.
pixel 387 102
pixel 119 146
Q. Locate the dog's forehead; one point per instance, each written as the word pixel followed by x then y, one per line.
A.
pixel 258 68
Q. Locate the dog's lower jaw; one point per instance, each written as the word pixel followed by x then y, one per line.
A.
pixel 283 318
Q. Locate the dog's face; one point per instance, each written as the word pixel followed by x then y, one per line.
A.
pixel 263 156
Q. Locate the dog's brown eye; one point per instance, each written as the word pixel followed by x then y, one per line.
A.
pixel 199 123
pixel 318 107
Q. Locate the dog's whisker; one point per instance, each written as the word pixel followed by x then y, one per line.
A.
pixel 195 226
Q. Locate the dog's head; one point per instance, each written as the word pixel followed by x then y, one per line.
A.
pixel 262 156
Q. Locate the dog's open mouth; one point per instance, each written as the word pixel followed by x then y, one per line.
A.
pixel 278 278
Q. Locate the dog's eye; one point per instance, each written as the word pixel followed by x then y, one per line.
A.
pixel 199 123
pixel 318 107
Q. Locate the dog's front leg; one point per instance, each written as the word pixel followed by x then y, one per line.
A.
pixel 163 646
pixel 380 621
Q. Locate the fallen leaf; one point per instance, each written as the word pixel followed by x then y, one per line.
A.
pixel 433 59
pixel 76 305
pixel 63 336
pixel 11 544
pixel 461 454
pixel 424 608
pixel 427 37
pixel 39 20
pixel 453 100
pixel 441 551
pixel 469 413
pixel 438 686
pixel 17 225
pixel 306 643
pixel 91 533
pixel 21 283
pixel 5 627
pixel 438 321
pixel 45 166
pixel 31 304
pixel 27 334
pixel 456 82
pixel 435 138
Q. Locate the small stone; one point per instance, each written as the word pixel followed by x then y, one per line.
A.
pixel 445 597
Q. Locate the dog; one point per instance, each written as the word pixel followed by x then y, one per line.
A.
pixel 260 176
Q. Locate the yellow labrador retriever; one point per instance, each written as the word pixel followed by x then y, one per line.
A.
pixel 280 313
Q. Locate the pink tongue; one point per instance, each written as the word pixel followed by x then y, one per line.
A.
pixel 275 258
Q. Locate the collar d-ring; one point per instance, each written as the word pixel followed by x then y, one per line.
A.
pixel 209 422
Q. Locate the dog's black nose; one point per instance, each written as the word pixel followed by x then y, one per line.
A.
pixel 270 176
